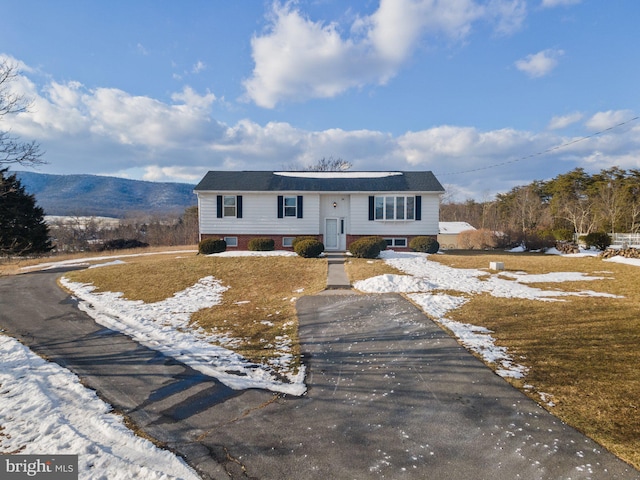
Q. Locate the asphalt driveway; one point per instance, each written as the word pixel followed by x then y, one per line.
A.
pixel 390 395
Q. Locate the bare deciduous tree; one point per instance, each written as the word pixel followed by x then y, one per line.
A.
pixel 324 165
pixel 329 165
pixel 12 149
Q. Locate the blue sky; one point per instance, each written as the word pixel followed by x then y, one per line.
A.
pixel 164 90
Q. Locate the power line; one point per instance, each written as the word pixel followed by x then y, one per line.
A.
pixel 544 152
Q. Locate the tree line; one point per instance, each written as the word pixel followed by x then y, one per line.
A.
pixel 78 234
pixel 571 204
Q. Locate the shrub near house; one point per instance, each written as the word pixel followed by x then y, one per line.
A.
pixel 262 244
pixel 309 248
pixel 209 246
pixel 368 247
pixel 424 245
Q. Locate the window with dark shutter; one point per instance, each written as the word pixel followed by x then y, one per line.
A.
pixel 394 208
pixel 229 206
pixel 289 206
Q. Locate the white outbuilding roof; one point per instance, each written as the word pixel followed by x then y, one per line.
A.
pixel 453 228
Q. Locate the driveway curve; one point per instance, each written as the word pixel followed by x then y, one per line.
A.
pixel 390 395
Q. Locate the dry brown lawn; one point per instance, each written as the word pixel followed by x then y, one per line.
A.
pixel 584 351
pixel 257 309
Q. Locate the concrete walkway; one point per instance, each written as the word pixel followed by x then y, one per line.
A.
pixel 336 277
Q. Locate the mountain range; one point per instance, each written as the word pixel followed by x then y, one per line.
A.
pixel 93 195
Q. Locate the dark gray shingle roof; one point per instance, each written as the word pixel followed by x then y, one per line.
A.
pixel 260 181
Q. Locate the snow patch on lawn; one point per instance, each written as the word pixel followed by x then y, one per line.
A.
pixel 164 326
pixel 627 261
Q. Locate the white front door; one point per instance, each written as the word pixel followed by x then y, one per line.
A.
pixel 331 233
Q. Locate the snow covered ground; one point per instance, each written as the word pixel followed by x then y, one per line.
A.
pixel 44 408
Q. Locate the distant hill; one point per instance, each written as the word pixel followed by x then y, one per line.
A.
pixel 93 195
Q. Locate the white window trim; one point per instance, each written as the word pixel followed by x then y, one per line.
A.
pixel 394 241
pixel 394 208
pixel 231 241
pixel 287 241
pixel 225 206
pixel 294 206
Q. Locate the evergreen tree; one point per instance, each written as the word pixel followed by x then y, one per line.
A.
pixel 22 227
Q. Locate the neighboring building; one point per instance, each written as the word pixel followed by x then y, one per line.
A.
pixel 448 233
pixel 335 207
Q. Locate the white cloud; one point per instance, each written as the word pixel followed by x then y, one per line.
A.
pixel 139 120
pixel 507 15
pixel 540 64
pixel 193 100
pixel 608 119
pixel 558 3
pixel 198 67
pixel 14 62
pixel 65 96
pixel 155 173
pixel 463 148
pixel 563 121
pixel 141 49
pixel 396 26
pixel 297 58
pixel 300 59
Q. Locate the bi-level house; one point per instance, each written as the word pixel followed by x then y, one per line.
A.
pixel 335 207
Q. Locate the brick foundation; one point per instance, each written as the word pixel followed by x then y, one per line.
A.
pixel 243 240
pixel 353 238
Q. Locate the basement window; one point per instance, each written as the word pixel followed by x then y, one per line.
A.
pixel 287 241
pixel 396 242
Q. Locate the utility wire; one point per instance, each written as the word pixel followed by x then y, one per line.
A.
pixel 544 152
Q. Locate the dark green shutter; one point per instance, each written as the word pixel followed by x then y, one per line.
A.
pixel 418 207
pixel 239 206
pixel 219 205
pixel 299 206
pixel 280 206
